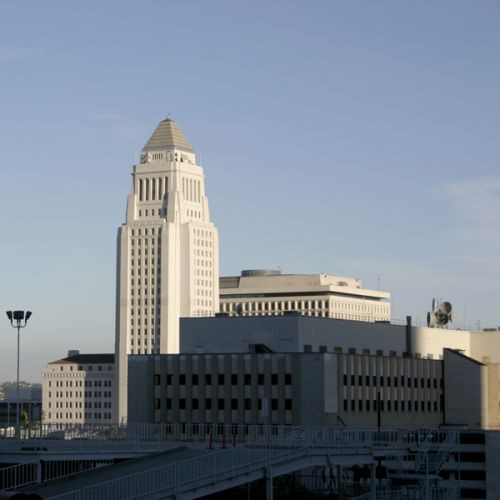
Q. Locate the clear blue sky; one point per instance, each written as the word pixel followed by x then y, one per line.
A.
pixel 352 138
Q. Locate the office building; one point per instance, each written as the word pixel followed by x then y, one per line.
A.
pixel 79 389
pixel 268 292
pixel 168 252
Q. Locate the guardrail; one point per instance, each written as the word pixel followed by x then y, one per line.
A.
pixel 114 435
pixel 184 476
pixel 18 475
pixel 24 474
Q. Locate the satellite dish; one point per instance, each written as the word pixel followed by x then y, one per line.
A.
pixel 440 315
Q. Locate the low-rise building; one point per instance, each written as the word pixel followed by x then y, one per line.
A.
pixel 79 389
pixel 286 389
pixel 268 292
pixel 299 333
pixel 30 406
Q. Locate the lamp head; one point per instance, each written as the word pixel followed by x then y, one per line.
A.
pixel 18 315
pixel 9 315
pixel 27 315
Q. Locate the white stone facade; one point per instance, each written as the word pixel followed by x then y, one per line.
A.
pixel 168 251
pixel 268 293
pixel 79 389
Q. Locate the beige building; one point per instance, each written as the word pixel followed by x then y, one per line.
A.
pixel 268 292
pixel 168 252
pixel 79 389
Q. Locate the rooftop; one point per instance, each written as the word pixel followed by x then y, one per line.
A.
pixel 168 135
pixel 86 358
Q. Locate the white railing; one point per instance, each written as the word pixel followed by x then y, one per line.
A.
pixel 24 474
pixel 186 475
pixel 18 475
pixel 150 437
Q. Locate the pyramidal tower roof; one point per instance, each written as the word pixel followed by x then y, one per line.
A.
pixel 167 135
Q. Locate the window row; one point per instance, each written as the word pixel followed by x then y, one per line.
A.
pixel 381 381
pixel 411 406
pixel 221 379
pixel 224 404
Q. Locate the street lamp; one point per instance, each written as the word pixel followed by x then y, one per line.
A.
pixel 16 319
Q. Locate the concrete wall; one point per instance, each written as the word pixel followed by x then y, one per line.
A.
pixel 466 391
pixel 292 333
pixel 485 346
pixel 140 388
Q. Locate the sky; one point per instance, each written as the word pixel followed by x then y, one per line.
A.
pixel 354 138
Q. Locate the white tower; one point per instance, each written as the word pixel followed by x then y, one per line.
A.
pixel 168 252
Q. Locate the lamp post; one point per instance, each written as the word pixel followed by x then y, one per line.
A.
pixel 16 319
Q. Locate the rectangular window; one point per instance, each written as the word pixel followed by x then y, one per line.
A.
pixel 182 404
pixel 234 404
pixel 274 379
pixel 274 404
pixel 208 404
pixel 220 404
pixel 182 379
pixel 307 348
pixel 194 404
pixel 157 380
pixel 288 404
pixel 234 379
pixel 220 379
pixel 248 404
pixel 260 379
pixel 208 379
pixel 194 379
pixel 288 379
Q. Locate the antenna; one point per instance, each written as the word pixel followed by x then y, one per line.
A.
pixel 440 315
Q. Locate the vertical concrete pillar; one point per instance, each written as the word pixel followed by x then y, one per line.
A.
pixel 373 482
pixel 269 484
pixel 38 472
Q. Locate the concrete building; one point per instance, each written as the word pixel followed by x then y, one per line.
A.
pixel 79 389
pixel 286 389
pixel 168 252
pixel 297 333
pixel 268 292
pixel 314 389
pixel 30 405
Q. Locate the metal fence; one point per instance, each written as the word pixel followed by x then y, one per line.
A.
pixel 186 475
pixel 112 436
pixel 18 475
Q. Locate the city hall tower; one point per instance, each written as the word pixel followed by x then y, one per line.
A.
pixel 168 252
